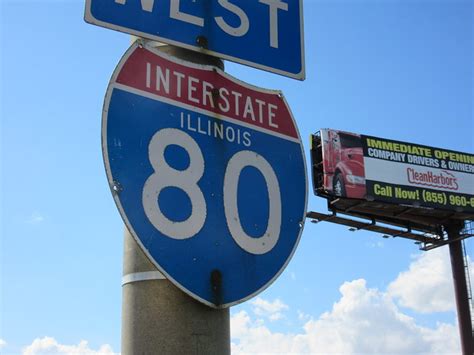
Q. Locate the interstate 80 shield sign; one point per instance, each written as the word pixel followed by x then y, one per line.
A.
pixel 208 174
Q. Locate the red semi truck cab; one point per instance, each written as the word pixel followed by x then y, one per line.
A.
pixel 341 163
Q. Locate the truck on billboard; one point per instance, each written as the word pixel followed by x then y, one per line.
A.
pixel 354 166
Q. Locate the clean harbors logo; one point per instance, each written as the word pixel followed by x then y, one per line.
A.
pixel 443 179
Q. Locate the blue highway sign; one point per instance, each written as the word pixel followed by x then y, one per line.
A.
pixel 208 174
pixel 265 34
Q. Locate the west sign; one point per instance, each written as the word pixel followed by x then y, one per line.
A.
pixel 265 34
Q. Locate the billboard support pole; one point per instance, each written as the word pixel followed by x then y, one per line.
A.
pixel 157 317
pixel 460 288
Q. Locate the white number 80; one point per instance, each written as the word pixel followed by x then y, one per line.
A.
pixel 186 180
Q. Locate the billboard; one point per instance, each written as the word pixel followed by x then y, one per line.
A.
pixel 355 166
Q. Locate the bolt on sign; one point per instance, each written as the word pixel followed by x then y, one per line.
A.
pixel 357 166
pixel 208 174
pixel 265 34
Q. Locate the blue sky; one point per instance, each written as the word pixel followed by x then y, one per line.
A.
pixel 395 69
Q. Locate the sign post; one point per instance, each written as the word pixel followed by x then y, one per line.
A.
pixel 157 318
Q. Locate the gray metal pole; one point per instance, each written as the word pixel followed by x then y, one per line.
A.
pixel 460 289
pixel 157 317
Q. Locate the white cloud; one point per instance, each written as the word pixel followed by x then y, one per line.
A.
pixel 367 321
pixel 249 337
pixel 48 345
pixel 270 310
pixel 427 286
pixel 364 321
pixel 3 343
pixel 35 218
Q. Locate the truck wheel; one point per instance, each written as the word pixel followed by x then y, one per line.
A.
pixel 338 186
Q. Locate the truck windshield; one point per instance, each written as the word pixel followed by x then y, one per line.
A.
pixel 350 141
